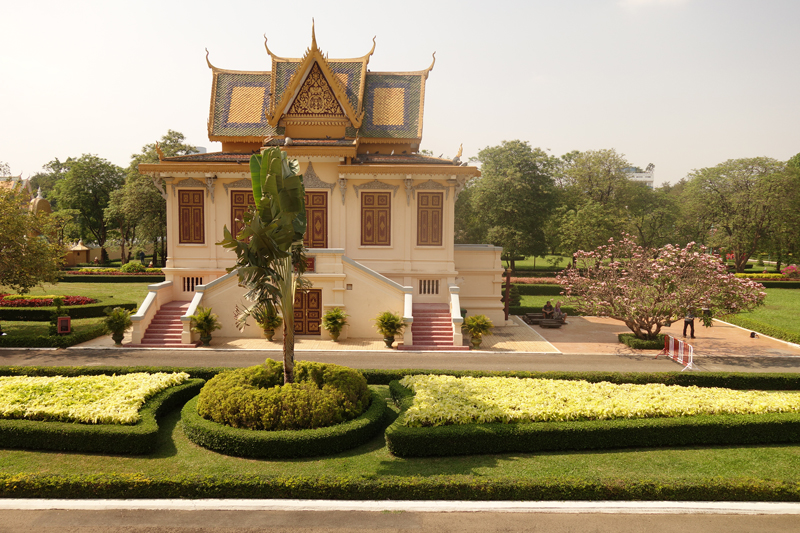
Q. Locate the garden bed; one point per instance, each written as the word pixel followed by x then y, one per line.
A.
pixel 283 444
pixel 135 439
pixel 536 437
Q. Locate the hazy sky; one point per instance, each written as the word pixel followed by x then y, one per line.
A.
pixel 682 84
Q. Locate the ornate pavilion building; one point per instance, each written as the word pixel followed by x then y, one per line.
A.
pixel 380 214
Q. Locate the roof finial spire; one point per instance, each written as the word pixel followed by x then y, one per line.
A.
pixel 313 35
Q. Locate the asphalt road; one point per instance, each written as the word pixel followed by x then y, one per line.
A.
pixel 209 357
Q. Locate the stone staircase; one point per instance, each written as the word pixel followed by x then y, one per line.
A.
pixel 432 329
pixel 165 329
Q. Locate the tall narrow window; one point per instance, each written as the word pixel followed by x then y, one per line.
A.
pixel 376 218
pixel 240 201
pixel 191 217
pixel 317 220
pixel 430 210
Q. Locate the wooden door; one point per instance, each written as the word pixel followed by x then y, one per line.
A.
pixel 308 312
pixel 317 219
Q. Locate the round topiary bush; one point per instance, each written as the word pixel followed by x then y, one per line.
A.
pixel 255 398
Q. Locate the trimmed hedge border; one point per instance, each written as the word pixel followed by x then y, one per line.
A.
pixel 135 439
pixel 99 278
pixel 52 341
pixel 524 309
pixel 763 327
pixel 632 341
pixel 728 380
pixel 137 486
pixel 42 314
pixel 478 439
pixel 768 284
pixel 283 444
pixel 538 289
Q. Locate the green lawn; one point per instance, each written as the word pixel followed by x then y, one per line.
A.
pixel 781 309
pixel 134 292
pixel 18 328
pixel 177 457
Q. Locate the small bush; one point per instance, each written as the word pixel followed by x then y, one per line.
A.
pixel 255 398
pixel 641 344
pixel 132 267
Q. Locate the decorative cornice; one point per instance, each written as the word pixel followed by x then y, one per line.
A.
pixel 188 182
pixel 376 185
pixel 244 183
pixel 432 185
pixel 312 181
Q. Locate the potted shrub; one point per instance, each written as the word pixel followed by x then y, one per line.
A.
pixel 334 321
pixel 204 322
pixel 117 322
pixel 269 320
pixel 389 324
pixel 477 326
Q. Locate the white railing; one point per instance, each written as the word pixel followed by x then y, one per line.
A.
pixel 158 295
pixel 455 315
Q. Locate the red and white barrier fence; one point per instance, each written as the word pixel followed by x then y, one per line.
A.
pixel 678 351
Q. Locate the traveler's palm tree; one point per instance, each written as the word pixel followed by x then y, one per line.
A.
pixel 269 247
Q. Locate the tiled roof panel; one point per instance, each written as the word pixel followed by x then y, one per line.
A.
pixel 219 157
pixel 392 105
pixel 349 75
pixel 239 105
pixel 401 159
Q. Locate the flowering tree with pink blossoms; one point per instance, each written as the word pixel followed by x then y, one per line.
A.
pixel 648 289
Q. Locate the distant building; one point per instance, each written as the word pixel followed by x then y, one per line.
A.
pixel 646 176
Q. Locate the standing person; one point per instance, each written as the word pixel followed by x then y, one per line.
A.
pixel 547 310
pixel 688 321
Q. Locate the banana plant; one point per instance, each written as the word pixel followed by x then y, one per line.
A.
pixel 270 257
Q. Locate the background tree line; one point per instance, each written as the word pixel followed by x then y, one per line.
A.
pixel 533 203
pixel 102 203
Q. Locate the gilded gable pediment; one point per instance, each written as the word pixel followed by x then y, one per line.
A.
pixel 316 98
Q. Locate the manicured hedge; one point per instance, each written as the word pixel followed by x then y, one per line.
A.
pixel 538 289
pixel 42 314
pixel 525 309
pixel 631 340
pixel 136 439
pixel 99 278
pixel 476 439
pixel 779 284
pixel 51 341
pixel 283 444
pixel 729 380
pixel 433 487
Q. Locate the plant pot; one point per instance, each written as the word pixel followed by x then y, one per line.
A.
pixel 205 339
pixel 476 341
pixel 335 336
pixel 269 333
pixel 117 338
pixel 389 341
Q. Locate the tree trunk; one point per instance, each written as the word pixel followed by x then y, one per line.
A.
pixel 288 352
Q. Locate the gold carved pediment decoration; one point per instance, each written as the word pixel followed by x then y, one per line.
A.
pixel 316 97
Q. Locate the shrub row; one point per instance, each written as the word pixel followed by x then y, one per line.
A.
pixel 136 439
pixel 780 284
pixel 52 341
pixel 763 327
pixel 631 340
pixel 475 488
pixel 728 380
pixel 524 309
pixel 42 314
pixel 538 289
pixel 477 439
pixel 283 444
pixel 121 278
